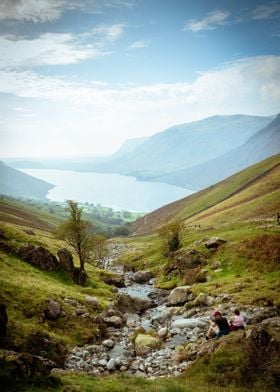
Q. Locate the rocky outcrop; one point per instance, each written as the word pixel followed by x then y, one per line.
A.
pixel 180 295
pixel 116 280
pixel 141 276
pixel 65 260
pixel 127 304
pixel 185 260
pixel 23 367
pixel 39 257
pixel 214 243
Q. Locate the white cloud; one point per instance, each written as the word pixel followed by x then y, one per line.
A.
pixel 47 49
pixel 210 22
pixel 86 118
pixel 51 10
pixel 266 11
pixel 139 44
pixel 57 49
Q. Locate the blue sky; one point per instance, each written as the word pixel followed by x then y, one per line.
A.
pixel 80 77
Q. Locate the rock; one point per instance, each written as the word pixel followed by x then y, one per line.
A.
pixel 25 367
pixel 92 300
pixel 108 343
pixel 179 295
pixel 65 260
pixel 113 321
pixel 162 332
pixel 39 257
pixel 79 277
pixel 141 276
pixel 187 323
pixel 132 320
pixel 158 296
pixel 111 365
pixel 214 243
pixel 53 310
pixel 116 280
pixel 127 304
pixel 204 300
pixel 146 343
pixel 40 343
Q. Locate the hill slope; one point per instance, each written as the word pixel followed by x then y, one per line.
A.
pixel 261 145
pixel 17 184
pixel 186 145
pixel 253 192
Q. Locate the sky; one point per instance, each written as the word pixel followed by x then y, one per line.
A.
pixel 79 77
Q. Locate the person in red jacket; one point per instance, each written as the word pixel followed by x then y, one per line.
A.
pixel 218 327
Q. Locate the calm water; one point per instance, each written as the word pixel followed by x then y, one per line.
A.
pixel 110 190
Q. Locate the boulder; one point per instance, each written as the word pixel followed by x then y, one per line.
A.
pixel 146 343
pixel 113 321
pixel 92 300
pixel 53 310
pixel 214 243
pixel 189 258
pixel 141 276
pixel 127 304
pixel 187 323
pixel 39 257
pixel 179 295
pixel 65 260
pixel 116 280
pixel 109 343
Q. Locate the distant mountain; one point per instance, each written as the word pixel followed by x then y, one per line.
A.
pixel 183 146
pixel 17 184
pixel 129 146
pixel 261 145
pixel 253 193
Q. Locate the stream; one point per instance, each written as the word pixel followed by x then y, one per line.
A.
pixel 119 354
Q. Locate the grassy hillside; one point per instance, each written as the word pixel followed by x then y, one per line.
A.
pixel 254 192
pixel 48 215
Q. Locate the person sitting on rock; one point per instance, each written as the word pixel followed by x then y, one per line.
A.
pixel 237 321
pixel 218 327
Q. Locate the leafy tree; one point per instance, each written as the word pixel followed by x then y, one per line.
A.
pixel 77 233
pixel 101 251
pixel 171 235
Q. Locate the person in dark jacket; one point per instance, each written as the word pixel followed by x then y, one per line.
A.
pixel 218 327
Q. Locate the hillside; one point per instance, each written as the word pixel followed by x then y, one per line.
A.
pixel 261 145
pixel 253 192
pixel 17 184
pixel 186 145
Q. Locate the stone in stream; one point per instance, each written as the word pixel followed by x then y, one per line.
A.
pixel 180 295
pixel 187 323
pixel 141 276
pixel 127 304
pixel 146 343
pixel 109 343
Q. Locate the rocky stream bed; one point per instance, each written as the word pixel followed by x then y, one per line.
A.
pixel 149 329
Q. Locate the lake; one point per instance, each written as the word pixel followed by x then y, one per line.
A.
pixel 110 190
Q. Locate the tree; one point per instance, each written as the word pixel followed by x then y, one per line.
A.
pixel 171 234
pixel 101 251
pixel 77 233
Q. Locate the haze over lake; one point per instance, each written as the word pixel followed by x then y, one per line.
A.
pixel 110 190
